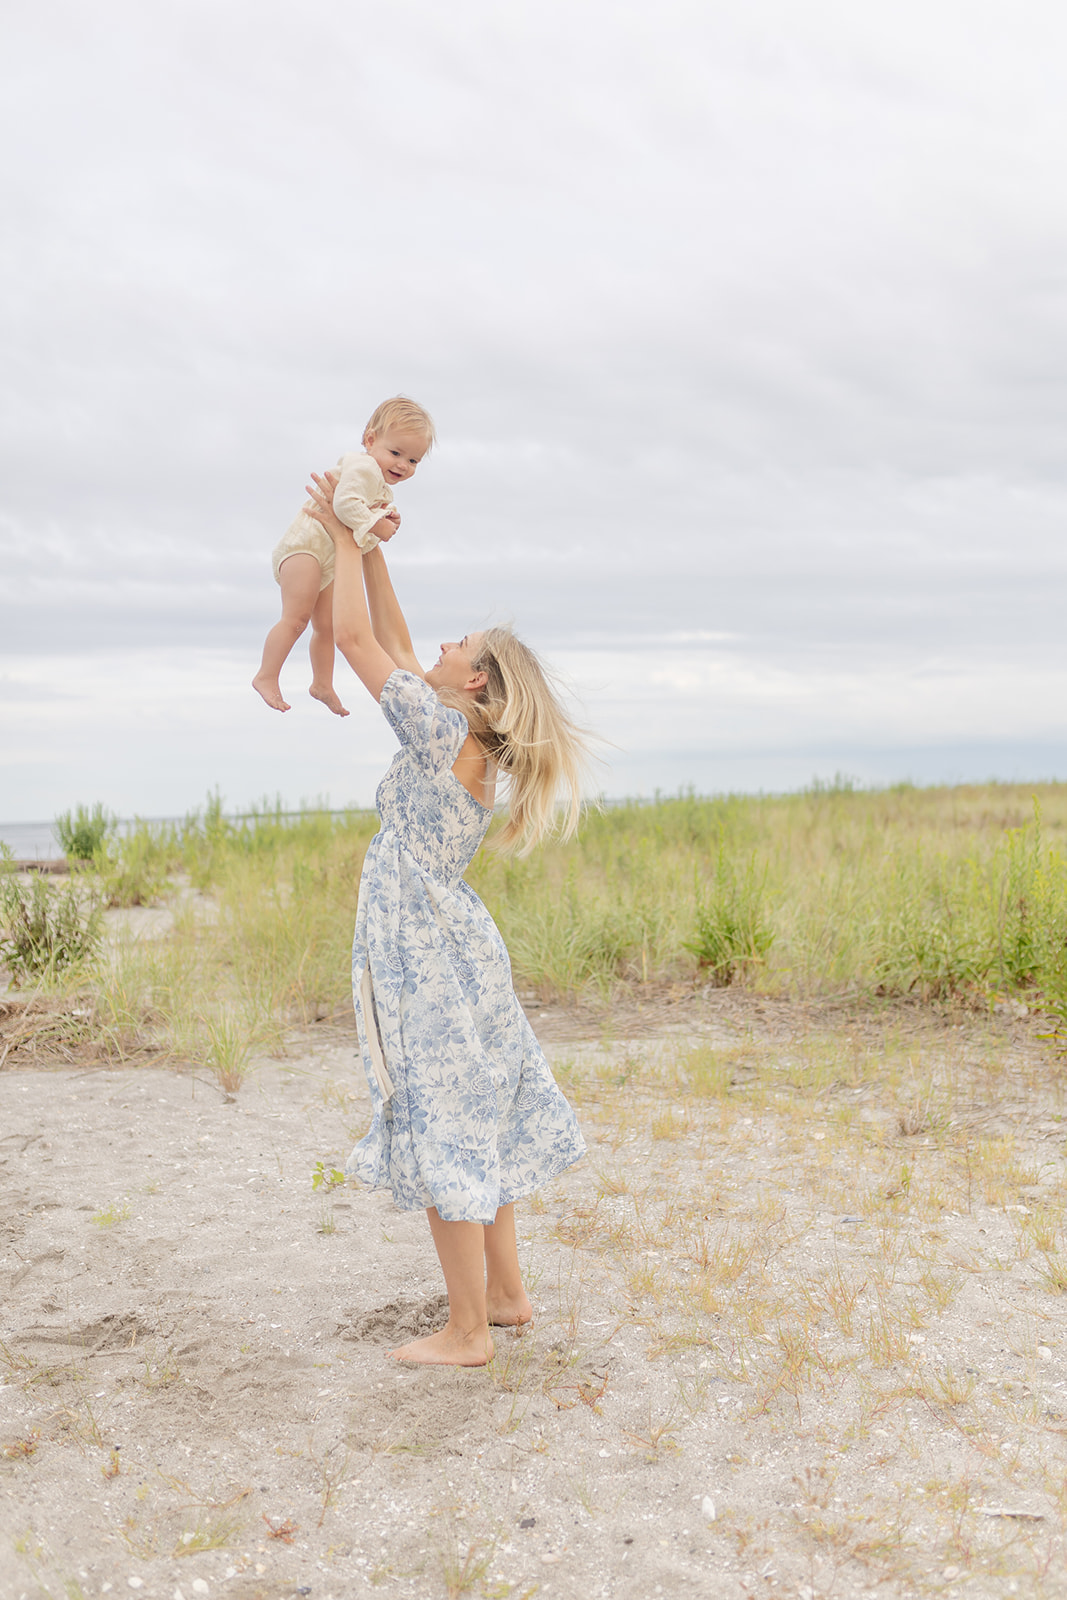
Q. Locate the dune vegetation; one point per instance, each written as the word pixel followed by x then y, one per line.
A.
pixel 939 894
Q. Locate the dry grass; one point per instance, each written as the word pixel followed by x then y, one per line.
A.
pixel 808 1238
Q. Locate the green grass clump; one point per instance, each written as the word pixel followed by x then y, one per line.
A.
pixel 46 929
pixel 83 831
pixel 134 868
pixel 733 927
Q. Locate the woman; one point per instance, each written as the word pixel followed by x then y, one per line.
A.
pixel 467 1117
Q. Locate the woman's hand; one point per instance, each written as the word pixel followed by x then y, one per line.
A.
pixel 320 505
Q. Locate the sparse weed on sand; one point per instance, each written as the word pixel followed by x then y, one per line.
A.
pixel 109 1215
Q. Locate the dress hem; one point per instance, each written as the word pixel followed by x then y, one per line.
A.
pixel 519 1192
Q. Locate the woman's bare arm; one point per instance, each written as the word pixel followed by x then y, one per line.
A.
pixel 390 627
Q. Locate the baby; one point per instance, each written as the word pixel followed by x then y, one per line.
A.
pixel 395 440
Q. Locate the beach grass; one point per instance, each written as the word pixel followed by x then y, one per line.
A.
pixel 931 893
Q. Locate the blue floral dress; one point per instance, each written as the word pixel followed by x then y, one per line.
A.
pixel 467 1116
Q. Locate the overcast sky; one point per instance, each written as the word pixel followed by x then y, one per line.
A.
pixel 744 326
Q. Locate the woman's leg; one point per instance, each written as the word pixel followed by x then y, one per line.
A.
pixel 507 1302
pixel 299 576
pixel 465 1340
pixel 322 652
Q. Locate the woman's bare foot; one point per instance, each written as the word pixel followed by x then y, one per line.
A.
pixel 511 1312
pixel 267 686
pixel 449 1348
pixel 325 693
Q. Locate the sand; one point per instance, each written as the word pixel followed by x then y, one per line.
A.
pixel 197 1401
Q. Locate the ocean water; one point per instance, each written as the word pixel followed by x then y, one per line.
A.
pixel 36 841
pixel 30 841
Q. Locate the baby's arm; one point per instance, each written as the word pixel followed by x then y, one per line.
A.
pixel 357 502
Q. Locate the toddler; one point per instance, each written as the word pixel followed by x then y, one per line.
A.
pixel 395 440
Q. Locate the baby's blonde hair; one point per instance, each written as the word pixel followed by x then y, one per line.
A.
pixel 522 726
pixel 400 412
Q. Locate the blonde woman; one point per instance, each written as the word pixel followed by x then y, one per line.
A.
pixel 467 1117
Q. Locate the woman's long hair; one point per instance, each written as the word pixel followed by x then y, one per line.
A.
pixel 520 723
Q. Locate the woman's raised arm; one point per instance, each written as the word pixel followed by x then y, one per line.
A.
pixel 390 626
pixel 352 631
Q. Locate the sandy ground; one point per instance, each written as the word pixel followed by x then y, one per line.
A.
pixel 195 1396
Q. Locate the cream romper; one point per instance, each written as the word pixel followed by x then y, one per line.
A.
pixel 361 499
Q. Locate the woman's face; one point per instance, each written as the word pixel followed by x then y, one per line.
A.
pixel 454 668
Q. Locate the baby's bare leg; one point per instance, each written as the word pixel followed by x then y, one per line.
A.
pixel 322 652
pixel 300 576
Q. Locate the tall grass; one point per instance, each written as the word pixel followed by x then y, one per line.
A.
pixel 262 928
pixel 927 892
pixel 904 891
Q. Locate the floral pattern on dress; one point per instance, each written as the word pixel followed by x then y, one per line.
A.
pixel 476 1119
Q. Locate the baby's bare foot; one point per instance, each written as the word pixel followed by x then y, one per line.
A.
pixel 448 1348
pixel 325 692
pixel 269 689
pixel 511 1312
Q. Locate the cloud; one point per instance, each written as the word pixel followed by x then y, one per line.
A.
pixel 737 321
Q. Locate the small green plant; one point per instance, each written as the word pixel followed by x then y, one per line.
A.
pixel 107 1216
pixel 229 1046
pixel 732 932
pixel 45 929
pixel 82 832
pixel 325 1177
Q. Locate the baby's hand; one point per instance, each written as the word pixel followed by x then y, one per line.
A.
pixel 386 526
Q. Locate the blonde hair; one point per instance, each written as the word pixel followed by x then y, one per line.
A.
pixel 400 412
pixel 518 720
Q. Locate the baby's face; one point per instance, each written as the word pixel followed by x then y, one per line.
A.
pixel 397 453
